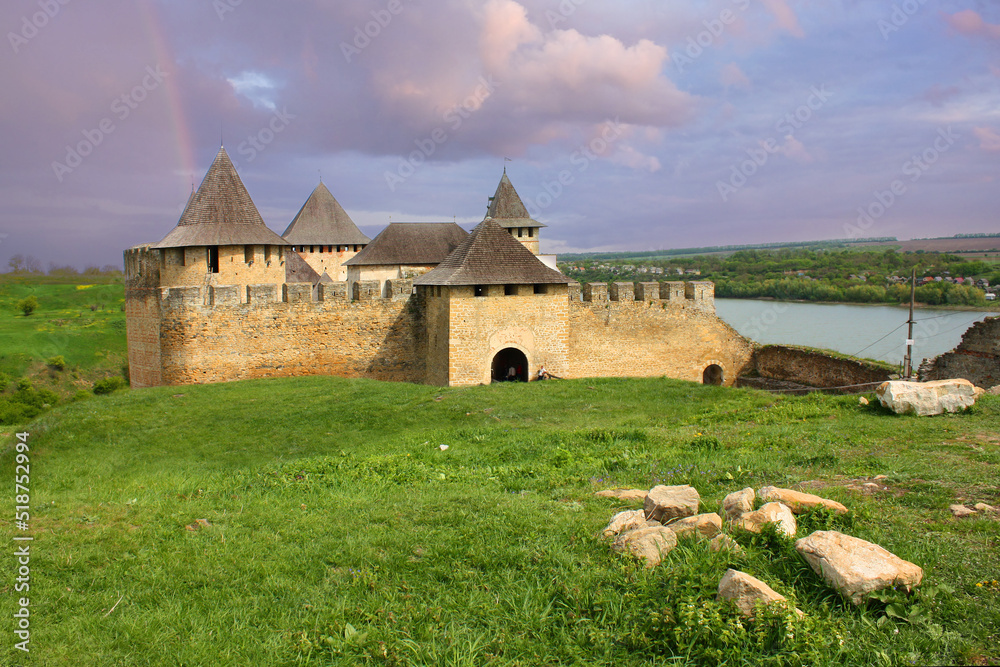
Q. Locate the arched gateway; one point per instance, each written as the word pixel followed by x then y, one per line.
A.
pixel 506 359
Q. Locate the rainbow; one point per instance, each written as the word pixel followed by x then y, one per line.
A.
pixel 161 51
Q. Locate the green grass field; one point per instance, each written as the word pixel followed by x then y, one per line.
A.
pixel 338 532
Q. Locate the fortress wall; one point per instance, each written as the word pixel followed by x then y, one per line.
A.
pixel 142 315
pixel 977 357
pixel 269 337
pixel 815 368
pixel 643 339
pixel 535 324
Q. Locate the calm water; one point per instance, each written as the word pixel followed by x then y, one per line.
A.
pixel 851 329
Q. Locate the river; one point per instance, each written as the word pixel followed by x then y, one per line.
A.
pixel 876 332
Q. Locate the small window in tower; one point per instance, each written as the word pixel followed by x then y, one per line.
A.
pixel 520 232
pixel 510 290
pixel 479 290
pixel 281 253
pixel 311 248
pixel 541 289
pixel 213 259
pixel 322 248
pixel 267 254
pixel 248 254
pixel 531 232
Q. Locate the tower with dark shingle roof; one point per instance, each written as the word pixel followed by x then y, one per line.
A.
pixel 507 210
pixel 323 234
pixel 494 311
pixel 221 238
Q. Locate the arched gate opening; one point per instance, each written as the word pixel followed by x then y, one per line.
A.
pixel 510 365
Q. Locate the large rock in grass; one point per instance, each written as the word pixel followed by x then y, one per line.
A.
pixel 797 501
pixel 855 567
pixel 663 503
pixel 778 513
pixel 649 543
pixel 747 592
pixel 623 522
pixel 927 398
pixel 723 542
pixel 738 503
pixel 698 526
pixel 628 495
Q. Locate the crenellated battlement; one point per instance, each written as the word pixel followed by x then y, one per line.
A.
pixel 694 294
pixel 301 294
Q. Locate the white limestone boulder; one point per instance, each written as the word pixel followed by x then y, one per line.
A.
pixel 797 501
pixel 698 526
pixel 624 521
pixel 926 398
pixel 663 503
pixel 855 567
pixel 738 503
pixel 778 513
pixel 747 592
pixel 647 543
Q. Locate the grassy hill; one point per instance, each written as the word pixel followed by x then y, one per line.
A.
pixel 320 521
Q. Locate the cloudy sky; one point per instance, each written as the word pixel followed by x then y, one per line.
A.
pixel 634 124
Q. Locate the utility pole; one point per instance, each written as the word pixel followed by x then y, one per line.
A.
pixel 909 335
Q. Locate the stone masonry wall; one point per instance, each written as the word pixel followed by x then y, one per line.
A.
pixel 271 338
pixel 814 368
pixel 977 357
pixel 142 316
pixel 651 338
pixel 479 327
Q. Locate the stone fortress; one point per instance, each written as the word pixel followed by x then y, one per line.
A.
pixel 222 297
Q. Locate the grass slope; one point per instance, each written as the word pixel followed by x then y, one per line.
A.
pixel 341 533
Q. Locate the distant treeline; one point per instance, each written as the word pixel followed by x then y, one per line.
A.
pixel 26 268
pixel 834 243
pixel 855 276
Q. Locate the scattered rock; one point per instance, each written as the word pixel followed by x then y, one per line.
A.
pixel 747 592
pixel 649 543
pixel 623 494
pixel 723 541
pixel 960 511
pixel 700 525
pixel 799 502
pixel 862 401
pixel 995 391
pixel 770 513
pixel 855 567
pixel 879 478
pixel 663 503
pixel 738 503
pixel 926 398
pixel 983 507
pixel 872 485
pixel 624 521
pixel 203 523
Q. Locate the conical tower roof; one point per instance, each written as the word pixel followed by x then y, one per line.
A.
pixel 491 256
pixel 221 212
pixel 323 221
pixel 507 209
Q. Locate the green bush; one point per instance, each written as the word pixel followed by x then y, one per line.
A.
pixel 108 385
pixel 57 363
pixel 28 305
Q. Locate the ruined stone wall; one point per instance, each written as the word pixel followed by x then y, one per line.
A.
pixel 815 368
pixel 634 333
pixel 285 333
pixel 480 327
pixel 977 357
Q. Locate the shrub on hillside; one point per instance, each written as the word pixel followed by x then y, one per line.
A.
pixel 28 305
pixel 56 363
pixel 108 385
pixel 25 403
